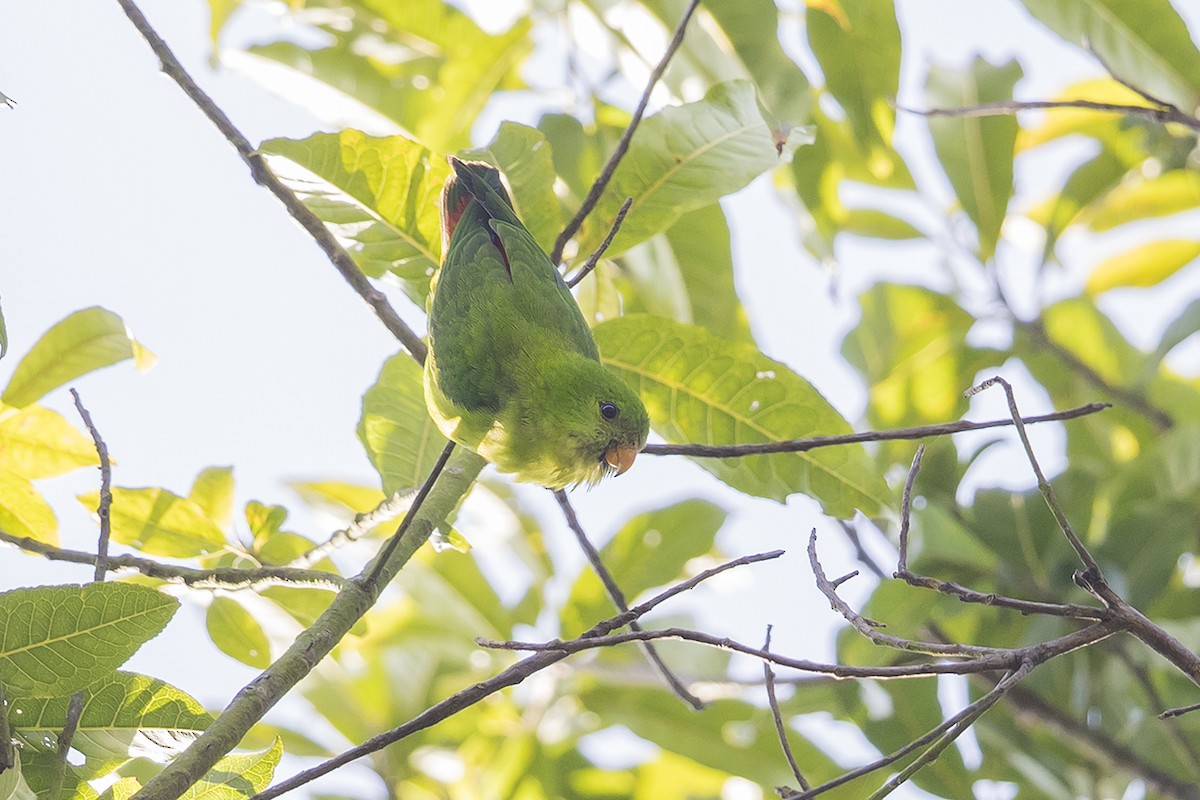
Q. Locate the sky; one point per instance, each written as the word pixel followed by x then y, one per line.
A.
pixel 116 192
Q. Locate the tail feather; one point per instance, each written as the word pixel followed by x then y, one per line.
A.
pixel 473 180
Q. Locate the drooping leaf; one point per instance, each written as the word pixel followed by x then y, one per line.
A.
pixel 125 715
pixel 379 195
pixel 1145 265
pixel 159 523
pixel 523 155
pixel 85 341
pixel 236 632
pixel 700 245
pixel 59 639
pixel 1144 42
pixel 859 52
pixel 23 510
pixel 878 224
pixel 1169 193
pixel 1180 328
pixel 699 388
pixel 683 158
pixel 1090 181
pixel 976 152
pixel 400 438
pixel 212 492
pixel 649 550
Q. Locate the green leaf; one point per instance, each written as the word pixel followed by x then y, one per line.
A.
pixel 338 497
pixel 700 244
pixel 909 346
pixel 523 155
pixel 649 550
pixel 125 715
pixel 236 633
pixel 683 158
pixel 1143 42
pixel 159 523
pixel 1169 193
pixel 237 777
pixel 976 152
pixel 12 781
pixel 424 64
pixel 378 195
pixel 1180 328
pixel 401 440
pixel 859 53
pixel 212 492
pixel 37 443
pixel 878 224
pixel 1091 180
pixel 698 388
pixel 219 12
pixel 1144 265
pixel 23 510
pixel 59 639
pixel 83 342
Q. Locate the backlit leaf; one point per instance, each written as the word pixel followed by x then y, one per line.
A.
pixel 23 510
pixel 699 388
pixel 159 523
pixel 236 633
pixel 36 442
pixel 396 430
pixel 1144 265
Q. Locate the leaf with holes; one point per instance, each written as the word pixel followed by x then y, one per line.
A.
pixel 58 639
pixel 699 388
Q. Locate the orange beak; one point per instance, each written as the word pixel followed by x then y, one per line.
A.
pixel 620 457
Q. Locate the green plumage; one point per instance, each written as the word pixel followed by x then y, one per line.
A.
pixel 513 372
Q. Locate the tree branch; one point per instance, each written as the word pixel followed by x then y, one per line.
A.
pixel 1002 108
pixel 105 505
pixel 601 182
pixel 816 442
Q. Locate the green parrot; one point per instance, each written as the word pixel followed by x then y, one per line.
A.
pixel 513 372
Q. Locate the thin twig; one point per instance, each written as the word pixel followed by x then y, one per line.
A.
pixel 1184 748
pixel 385 553
pixel 63 744
pixel 262 175
pixel 103 511
pixel 777 715
pixel 868 627
pixel 906 509
pixel 1000 660
pixel 7 756
pixel 1145 95
pixel 601 182
pixel 816 442
pixel 360 526
pixel 618 599
pixel 509 677
pixel 860 552
pixel 594 258
pixel 216 577
pixel 1008 107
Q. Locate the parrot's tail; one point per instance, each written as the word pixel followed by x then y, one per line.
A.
pixel 471 181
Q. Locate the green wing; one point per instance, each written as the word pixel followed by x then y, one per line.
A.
pixel 498 299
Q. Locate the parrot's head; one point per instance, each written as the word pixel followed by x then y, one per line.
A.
pixel 605 426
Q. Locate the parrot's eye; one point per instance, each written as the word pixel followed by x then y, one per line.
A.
pixel 609 410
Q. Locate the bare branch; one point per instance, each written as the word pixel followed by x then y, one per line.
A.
pixel 816 442
pixel 594 258
pixel 216 577
pixel 906 509
pixel 777 715
pixel 105 505
pixel 601 183
pixel 618 599
pixel 262 175
pixel 1008 107
pixel 65 737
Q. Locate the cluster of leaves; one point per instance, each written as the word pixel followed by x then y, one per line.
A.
pixel 667 318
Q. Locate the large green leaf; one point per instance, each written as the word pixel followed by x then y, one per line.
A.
pixel 238 776
pixel 36 442
pixel 237 633
pixel 683 158
pixel 700 245
pixel 1160 196
pixel 125 715
pixel 378 195
pixel 212 492
pixel 649 550
pixel 857 43
pixel 423 63
pixel 523 155
pixel 699 388
pixel 396 430
pixel 1144 42
pixel 83 342
pixel 23 510
pixel 159 523
pixel 976 152
pixel 58 639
